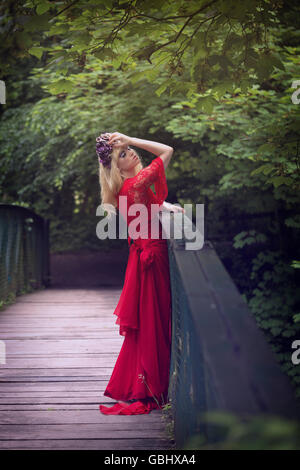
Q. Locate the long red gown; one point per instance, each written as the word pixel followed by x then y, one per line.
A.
pixel 141 372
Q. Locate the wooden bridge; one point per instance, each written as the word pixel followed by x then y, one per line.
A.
pixel 62 344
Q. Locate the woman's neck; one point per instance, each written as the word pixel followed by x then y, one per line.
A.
pixel 130 174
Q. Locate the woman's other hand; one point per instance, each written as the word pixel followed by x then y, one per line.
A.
pixel 166 206
pixel 119 140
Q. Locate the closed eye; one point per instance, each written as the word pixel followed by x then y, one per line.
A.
pixel 123 153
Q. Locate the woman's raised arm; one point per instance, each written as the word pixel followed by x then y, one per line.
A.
pixel 163 151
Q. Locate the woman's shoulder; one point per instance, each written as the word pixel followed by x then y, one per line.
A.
pixel 142 176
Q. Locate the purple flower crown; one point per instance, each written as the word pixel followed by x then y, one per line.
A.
pixel 104 149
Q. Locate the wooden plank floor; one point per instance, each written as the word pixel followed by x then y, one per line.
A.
pixel 61 347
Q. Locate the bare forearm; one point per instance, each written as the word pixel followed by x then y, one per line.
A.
pixel 156 148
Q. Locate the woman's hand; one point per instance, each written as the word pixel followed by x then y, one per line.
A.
pixel 118 140
pixel 166 206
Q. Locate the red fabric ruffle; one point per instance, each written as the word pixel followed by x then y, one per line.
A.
pixel 138 407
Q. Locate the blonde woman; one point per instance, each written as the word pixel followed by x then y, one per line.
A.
pixel 140 378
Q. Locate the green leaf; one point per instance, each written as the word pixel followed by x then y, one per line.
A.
pixel 265 169
pixel 60 86
pixel 266 149
pixel 145 52
pixel 58 29
pixel 37 23
pixel 105 53
pixel 80 39
pixel 161 89
pixel 221 60
pixel 36 51
pixel 151 74
pixel 279 180
pixel 265 65
pixel 43 7
pixel 206 104
pixel 222 88
pixel 276 62
pixel 136 76
pixel 199 43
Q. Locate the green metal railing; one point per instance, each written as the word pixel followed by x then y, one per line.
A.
pixel 220 359
pixel 24 251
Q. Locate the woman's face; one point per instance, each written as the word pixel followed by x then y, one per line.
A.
pixel 127 158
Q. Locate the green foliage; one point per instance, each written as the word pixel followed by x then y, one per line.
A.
pixel 232 432
pixel 168 421
pixel 248 238
pixel 274 301
pixel 195 49
pixel 12 296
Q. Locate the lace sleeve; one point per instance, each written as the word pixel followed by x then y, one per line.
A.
pixel 153 173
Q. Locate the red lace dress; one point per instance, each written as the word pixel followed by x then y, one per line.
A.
pixel 141 372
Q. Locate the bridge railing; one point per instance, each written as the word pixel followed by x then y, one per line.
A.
pixel 24 251
pixel 220 359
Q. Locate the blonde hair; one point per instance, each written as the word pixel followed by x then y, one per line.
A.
pixel 111 181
